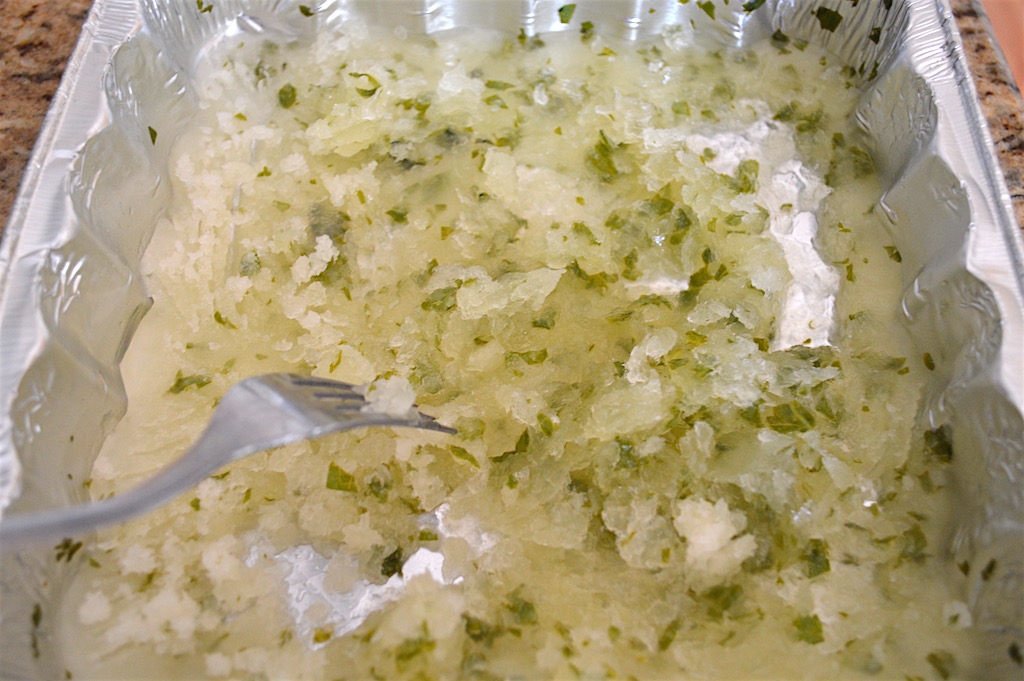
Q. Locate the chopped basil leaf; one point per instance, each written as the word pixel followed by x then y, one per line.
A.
pixel 182 382
pixel 808 629
pixel 461 453
pixel 220 319
pixel 373 82
pixel 600 159
pixel 411 648
pixel 815 558
pixel 828 18
pixel 339 480
pixel 440 300
pixel 668 635
pixel 523 611
pixel 286 96
pixel 942 662
pixel 565 13
pixel 938 444
pixel 790 418
pixel 67 549
pixel 392 563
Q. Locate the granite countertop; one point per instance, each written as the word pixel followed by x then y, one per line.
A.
pixel 36 38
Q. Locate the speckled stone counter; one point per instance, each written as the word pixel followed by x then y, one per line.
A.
pixel 36 39
pixel 999 94
pixel 37 36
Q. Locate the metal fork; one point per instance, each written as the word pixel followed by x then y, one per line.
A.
pixel 256 414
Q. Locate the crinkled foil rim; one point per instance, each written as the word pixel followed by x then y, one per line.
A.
pixel 71 293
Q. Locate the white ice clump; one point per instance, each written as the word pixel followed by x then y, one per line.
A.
pixel 392 396
pixel 714 547
pixel 792 193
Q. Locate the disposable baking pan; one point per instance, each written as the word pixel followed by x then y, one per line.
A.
pixel 71 292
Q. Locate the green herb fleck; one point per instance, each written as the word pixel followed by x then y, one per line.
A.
pixel 929 363
pixel 440 300
pixel 942 662
pixel 828 18
pixel 720 598
pixel 894 254
pixel 479 630
pixel 627 454
pixel 306 11
pixel 565 13
pixel 67 549
pixel 790 418
pixel 203 9
pixel 373 83
pixel 669 633
pixel 398 215
pixel 220 319
pixel 914 544
pixel 194 503
pixel 461 453
pixel 988 570
pixel 547 426
pixel 392 563
pixel 745 180
pixel 531 357
pixel 250 264
pixel 545 321
pixel 339 480
pixel 322 634
pixel 411 648
pixel 498 85
pixel 600 158
pixel 587 30
pixel 752 5
pixel 598 281
pixel 37 620
pixel 937 444
pixel 523 611
pixel 182 382
pixel 815 558
pixel 286 96
pixel 808 629
pixel 152 135
pixel 708 6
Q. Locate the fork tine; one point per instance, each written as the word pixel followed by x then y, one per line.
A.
pixel 313 381
pixel 431 424
pixel 338 395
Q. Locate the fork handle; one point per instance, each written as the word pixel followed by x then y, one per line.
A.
pixel 52 525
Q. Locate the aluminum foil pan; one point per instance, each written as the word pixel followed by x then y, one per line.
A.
pixel 71 294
